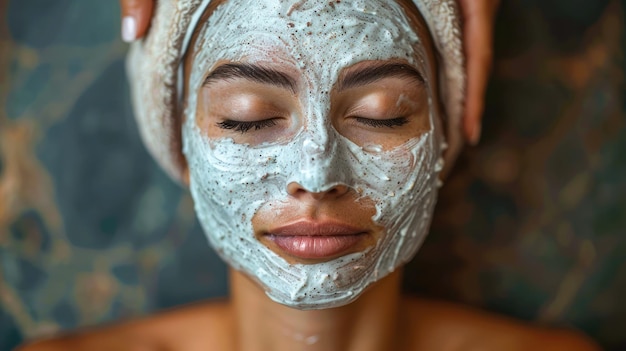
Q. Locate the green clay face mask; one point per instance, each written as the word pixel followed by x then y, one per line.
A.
pixel 231 181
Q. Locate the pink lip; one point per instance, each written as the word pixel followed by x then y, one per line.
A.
pixel 312 240
pixel 306 228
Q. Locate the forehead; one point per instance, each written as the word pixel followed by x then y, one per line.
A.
pixel 407 5
pixel 312 31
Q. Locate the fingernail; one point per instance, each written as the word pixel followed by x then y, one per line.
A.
pixel 476 134
pixel 129 29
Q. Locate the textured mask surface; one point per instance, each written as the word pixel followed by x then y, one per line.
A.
pixel 231 181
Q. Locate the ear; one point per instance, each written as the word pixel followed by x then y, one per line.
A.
pixel 450 155
pixel 452 132
pixel 180 122
pixel 183 165
pixel 452 142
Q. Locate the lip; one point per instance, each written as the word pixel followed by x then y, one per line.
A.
pixel 314 240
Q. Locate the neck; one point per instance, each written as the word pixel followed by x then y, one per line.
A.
pixel 370 323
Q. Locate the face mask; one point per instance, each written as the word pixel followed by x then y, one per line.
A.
pixel 231 181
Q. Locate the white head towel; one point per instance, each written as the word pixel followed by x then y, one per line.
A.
pixel 154 73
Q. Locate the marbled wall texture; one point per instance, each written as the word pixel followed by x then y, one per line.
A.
pixel 531 224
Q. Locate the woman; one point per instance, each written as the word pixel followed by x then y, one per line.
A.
pixel 312 140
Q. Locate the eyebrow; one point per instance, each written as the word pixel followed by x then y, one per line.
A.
pixel 371 74
pixel 254 73
pixel 352 79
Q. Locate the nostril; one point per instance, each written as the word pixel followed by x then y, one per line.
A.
pixel 338 190
pixel 295 189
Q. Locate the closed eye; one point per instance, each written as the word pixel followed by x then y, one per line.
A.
pixel 244 127
pixel 383 123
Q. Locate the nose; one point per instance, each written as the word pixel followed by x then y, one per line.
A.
pixel 319 169
pixel 334 191
pixel 322 169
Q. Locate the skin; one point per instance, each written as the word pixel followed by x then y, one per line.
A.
pixel 479 18
pixel 381 319
pixel 373 322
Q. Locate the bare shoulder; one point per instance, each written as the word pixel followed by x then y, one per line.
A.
pixel 185 328
pixel 446 326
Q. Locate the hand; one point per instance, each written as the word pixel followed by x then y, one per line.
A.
pixel 478 16
pixel 136 16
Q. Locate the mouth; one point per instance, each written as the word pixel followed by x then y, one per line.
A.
pixel 313 240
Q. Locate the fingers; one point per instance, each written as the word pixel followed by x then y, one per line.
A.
pixel 479 19
pixel 136 15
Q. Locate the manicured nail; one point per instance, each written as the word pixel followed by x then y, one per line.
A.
pixel 476 134
pixel 129 29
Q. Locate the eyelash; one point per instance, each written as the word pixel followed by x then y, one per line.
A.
pixel 244 127
pixel 383 123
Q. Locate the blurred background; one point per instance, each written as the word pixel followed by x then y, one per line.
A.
pixel 531 224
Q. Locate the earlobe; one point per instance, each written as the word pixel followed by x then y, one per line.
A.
pixel 449 161
pixel 184 175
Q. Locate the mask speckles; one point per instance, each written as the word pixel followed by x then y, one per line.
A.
pixel 230 182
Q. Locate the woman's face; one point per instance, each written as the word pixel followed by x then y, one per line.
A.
pixel 313 142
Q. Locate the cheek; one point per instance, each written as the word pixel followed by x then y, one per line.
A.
pixel 203 122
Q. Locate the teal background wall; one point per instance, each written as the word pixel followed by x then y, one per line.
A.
pixel 532 223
